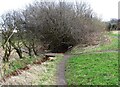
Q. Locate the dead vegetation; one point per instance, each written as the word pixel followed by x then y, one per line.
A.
pixel 34 74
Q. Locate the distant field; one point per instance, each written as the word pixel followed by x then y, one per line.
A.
pixel 93 69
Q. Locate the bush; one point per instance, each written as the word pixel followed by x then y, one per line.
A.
pixel 59 25
pixel 63 24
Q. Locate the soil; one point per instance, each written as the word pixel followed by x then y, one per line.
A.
pixel 61 71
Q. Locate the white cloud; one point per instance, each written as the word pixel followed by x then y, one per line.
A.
pixel 6 5
pixel 105 8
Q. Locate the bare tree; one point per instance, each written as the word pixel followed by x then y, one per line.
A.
pixel 58 25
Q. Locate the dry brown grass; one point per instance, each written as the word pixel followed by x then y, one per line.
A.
pixel 38 74
pixel 115 32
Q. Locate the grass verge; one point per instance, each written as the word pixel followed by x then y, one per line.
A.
pixel 93 69
pixel 37 74
pixel 49 77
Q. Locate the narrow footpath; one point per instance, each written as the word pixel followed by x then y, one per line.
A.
pixel 61 71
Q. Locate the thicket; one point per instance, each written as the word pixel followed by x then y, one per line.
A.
pixel 54 26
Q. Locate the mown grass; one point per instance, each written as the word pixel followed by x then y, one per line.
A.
pixel 93 69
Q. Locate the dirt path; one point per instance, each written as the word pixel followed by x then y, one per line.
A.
pixel 61 71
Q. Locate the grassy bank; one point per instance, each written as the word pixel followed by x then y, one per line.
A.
pixel 37 74
pixel 112 45
pixel 14 65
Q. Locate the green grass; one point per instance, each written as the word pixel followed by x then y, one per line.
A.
pixel 113 45
pixel 93 69
pixel 109 46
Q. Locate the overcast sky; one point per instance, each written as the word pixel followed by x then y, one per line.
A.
pixel 106 9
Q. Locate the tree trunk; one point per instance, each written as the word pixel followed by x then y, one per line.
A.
pixel 5 58
pixel 30 51
pixel 18 49
pixel 7 53
pixel 19 52
pixel 35 52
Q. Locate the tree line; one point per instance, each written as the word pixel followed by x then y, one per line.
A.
pixel 113 24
